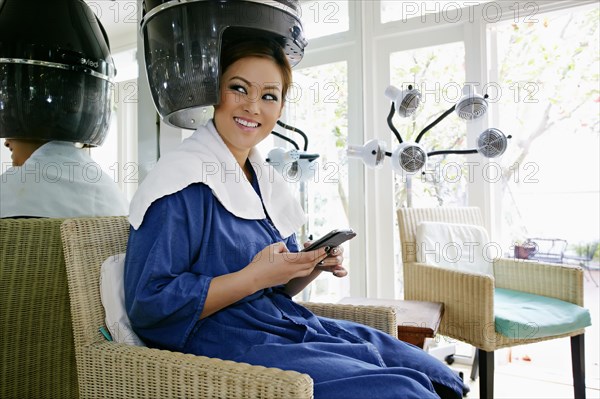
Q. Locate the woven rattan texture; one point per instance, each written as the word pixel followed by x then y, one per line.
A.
pixel 468 298
pixel 381 317
pixel 37 358
pixel 109 370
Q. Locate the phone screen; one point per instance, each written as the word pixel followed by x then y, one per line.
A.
pixel 332 239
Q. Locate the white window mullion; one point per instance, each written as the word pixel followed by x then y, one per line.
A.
pixel 378 195
pixel 127 128
pixel 356 111
pixel 479 188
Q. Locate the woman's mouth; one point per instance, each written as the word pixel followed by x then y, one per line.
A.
pixel 246 123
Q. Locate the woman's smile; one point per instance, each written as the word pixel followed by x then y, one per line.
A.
pixel 246 124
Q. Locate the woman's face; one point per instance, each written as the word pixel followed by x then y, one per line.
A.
pixel 21 149
pixel 250 104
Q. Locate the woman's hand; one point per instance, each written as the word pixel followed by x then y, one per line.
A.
pixel 272 266
pixel 333 262
pixel 330 262
pixel 275 265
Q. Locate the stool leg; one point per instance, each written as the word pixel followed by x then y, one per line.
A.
pixel 486 374
pixel 578 361
pixel 475 365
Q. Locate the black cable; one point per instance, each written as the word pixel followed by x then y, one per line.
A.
pixel 442 152
pixel 435 122
pixel 391 125
pixel 295 129
pixel 289 140
pixel 310 157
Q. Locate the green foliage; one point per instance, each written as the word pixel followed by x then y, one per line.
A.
pixel 584 250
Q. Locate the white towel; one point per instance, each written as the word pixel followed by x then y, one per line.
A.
pixel 204 158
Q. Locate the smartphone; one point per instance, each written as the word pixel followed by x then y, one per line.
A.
pixel 331 239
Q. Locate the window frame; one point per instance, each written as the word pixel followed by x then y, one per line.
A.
pixel 378 41
pixel 366 47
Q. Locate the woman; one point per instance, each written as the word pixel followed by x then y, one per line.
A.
pixel 212 260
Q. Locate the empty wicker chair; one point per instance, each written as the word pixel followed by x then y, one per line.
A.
pixel 472 300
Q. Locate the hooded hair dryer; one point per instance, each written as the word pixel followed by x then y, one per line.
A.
pixel 55 72
pixel 183 41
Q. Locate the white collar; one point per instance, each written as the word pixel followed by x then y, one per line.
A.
pixel 59 180
pixel 204 158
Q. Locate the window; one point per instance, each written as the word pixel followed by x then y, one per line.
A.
pixel 438 73
pixel 548 99
pixel 318 106
pixel 357 48
pixel 118 154
pixel 439 11
pixel 323 18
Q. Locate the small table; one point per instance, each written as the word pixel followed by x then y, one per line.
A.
pixel 417 320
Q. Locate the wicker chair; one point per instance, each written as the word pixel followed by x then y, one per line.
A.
pixel 469 298
pixel 111 370
pixel 37 355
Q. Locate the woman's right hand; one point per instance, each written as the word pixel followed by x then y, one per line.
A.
pixel 275 265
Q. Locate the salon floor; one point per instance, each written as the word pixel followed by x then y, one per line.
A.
pixel 543 370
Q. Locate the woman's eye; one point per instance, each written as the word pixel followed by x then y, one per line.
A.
pixel 270 97
pixel 238 88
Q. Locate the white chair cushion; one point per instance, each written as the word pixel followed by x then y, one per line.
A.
pixel 112 294
pixel 455 246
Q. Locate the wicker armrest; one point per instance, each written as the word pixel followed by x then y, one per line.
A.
pixel 380 317
pixel 139 372
pixel 559 281
pixel 468 311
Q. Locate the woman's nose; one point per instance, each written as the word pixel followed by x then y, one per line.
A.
pixel 251 106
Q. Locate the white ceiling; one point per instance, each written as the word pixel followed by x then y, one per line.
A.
pixel 119 19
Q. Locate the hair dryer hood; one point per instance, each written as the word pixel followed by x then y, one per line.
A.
pixel 55 72
pixel 182 47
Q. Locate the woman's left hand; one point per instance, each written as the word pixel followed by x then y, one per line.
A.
pixel 333 262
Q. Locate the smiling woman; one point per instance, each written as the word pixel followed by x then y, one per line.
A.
pixel 253 88
pixel 212 256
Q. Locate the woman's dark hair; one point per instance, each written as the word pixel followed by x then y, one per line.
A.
pixel 261 48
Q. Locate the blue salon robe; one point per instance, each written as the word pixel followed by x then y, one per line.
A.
pixel 187 238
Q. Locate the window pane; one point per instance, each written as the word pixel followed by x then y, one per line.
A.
pixel 438 72
pixel 321 18
pixel 448 11
pixel 120 169
pixel 548 101
pixel 107 155
pixel 317 105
